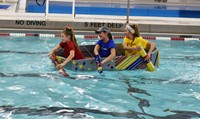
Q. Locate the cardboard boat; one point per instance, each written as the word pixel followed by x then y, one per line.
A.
pixel 120 62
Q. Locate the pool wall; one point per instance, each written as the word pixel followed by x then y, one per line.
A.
pixel 136 10
pixel 92 26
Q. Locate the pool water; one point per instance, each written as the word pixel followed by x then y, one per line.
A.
pixel 30 86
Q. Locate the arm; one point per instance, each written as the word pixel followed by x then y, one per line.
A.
pixel 55 49
pixel 52 53
pixel 130 48
pixel 69 58
pixel 152 46
pixel 97 59
pixel 110 57
pixel 96 49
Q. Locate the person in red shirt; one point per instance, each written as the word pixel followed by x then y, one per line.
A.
pixel 70 46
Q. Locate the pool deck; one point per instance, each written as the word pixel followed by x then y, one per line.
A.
pixel 15 17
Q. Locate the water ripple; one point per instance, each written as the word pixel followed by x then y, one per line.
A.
pixel 16 88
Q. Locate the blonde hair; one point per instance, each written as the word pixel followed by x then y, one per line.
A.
pixel 136 29
pixel 69 31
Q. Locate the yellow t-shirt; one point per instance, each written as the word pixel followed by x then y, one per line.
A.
pixel 132 43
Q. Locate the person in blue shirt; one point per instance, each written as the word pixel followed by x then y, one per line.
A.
pixel 104 48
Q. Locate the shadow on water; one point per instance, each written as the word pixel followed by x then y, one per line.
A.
pixel 55 75
pixel 183 58
pixel 22 52
pixel 24 75
pixel 142 102
pixel 83 112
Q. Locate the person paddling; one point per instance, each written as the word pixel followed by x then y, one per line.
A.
pixel 71 50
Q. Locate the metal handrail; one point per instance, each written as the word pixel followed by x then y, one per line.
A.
pixel 73 6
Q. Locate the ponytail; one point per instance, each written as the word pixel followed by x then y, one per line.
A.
pixel 110 36
pixel 74 38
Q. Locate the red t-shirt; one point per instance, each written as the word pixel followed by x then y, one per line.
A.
pixel 70 46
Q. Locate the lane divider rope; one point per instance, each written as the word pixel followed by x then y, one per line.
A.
pixel 96 36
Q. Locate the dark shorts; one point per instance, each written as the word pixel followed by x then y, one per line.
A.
pixel 60 52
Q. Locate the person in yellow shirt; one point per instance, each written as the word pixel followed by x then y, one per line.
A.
pixel 132 38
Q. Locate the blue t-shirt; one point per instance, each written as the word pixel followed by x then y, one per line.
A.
pixel 104 50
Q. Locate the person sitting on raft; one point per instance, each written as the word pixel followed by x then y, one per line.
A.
pixel 70 46
pixel 105 46
pixel 132 38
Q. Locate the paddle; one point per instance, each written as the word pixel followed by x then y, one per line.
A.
pixel 143 53
pixel 61 70
pixel 99 65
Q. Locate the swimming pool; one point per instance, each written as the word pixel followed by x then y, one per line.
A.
pixel 30 87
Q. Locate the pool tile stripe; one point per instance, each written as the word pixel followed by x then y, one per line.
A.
pixel 96 36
